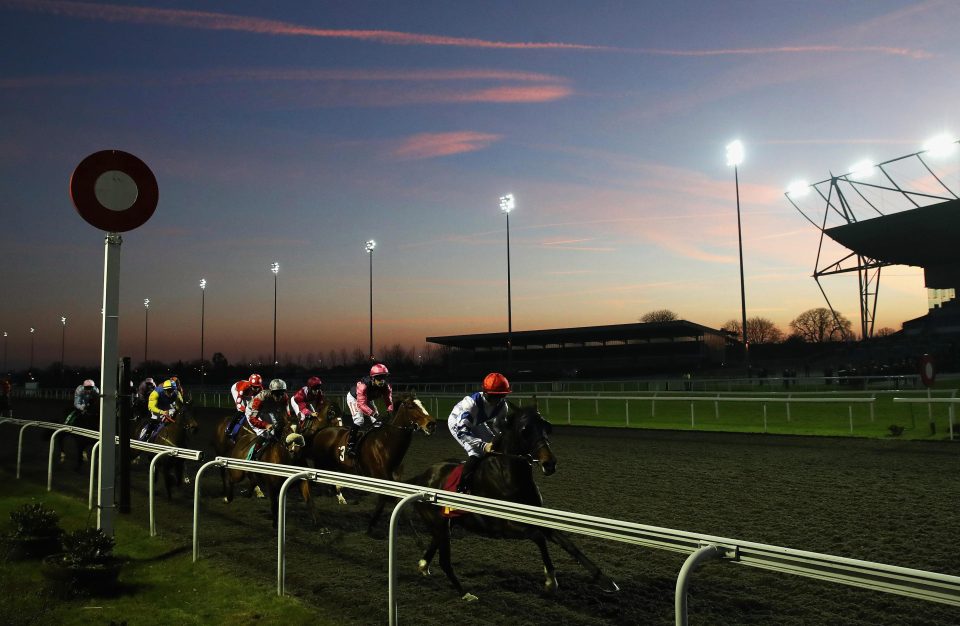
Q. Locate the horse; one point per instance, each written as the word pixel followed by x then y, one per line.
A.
pixel 327 414
pixel 506 473
pixel 174 434
pixel 379 453
pixel 284 447
pixel 89 419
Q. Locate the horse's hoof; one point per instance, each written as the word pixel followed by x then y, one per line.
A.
pixel 607 585
pixel 469 597
pixel 257 492
pixel 550 584
pixel 186 480
pixel 85 456
pixel 63 457
pixel 226 499
pixel 341 499
pixel 423 567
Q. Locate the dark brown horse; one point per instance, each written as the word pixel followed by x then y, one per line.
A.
pixel 284 447
pixel 379 453
pixel 327 414
pixel 174 434
pixel 504 474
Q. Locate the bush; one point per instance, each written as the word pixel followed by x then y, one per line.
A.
pixel 87 547
pixel 35 520
pixel 895 430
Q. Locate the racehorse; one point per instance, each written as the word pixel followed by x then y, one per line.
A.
pixel 506 473
pixel 89 419
pixel 379 453
pixel 174 434
pixel 284 447
pixel 328 414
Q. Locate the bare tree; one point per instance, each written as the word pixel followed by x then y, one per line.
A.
pixel 819 326
pixel 886 331
pixel 660 315
pixel 759 330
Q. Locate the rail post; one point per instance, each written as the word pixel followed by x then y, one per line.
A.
pixel 716 407
pixel 53 447
pixel 282 528
pixel 196 506
pixel 94 451
pixel 706 553
pixel 788 406
pixel 764 417
pixel 692 420
pixel 20 445
pixel 850 413
pixel 150 490
pixel 568 411
pixel 392 549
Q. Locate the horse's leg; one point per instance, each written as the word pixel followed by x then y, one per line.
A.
pixel 308 499
pixel 442 538
pixel 381 502
pixel 550 573
pixel 605 582
pixel 168 477
pixel 424 565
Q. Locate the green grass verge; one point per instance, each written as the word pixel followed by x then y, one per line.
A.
pixel 160 584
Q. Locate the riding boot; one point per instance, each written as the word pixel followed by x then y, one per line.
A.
pixel 466 478
pixel 352 440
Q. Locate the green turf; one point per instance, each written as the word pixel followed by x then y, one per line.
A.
pixel 160 584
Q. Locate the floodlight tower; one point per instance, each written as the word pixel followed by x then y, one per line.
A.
pixel 507 204
pixel 63 341
pixel 203 303
pixel 146 326
pixel 275 268
pixel 370 245
pixel 32 332
pixel 735 158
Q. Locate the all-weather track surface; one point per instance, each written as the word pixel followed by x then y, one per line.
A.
pixel 889 501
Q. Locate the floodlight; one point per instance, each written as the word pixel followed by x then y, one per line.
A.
pixel 32 329
pixel 146 303
pixel 371 244
pixel 275 268
pixel 862 169
pixel 63 320
pixel 798 189
pixel 940 146
pixel 507 203
pixel 203 283
pixel 735 153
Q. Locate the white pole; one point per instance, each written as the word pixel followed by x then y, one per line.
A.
pixel 109 354
pixel 850 412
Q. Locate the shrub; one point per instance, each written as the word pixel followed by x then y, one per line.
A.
pixel 35 520
pixel 87 547
pixel 895 430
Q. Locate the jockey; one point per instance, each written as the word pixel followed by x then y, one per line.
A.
pixel 266 410
pixel 468 422
pixel 142 396
pixel 308 399
pixel 163 404
pixel 243 391
pixel 360 402
pixel 85 397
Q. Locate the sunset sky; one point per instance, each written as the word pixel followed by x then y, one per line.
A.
pixel 295 131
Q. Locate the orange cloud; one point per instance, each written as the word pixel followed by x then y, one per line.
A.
pixel 431 145
pixel 207 20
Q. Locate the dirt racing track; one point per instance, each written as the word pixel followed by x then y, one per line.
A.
pixel 879 500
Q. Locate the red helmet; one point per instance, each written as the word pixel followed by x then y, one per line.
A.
pixel 379 369
pixel 495 383
pixel 314 381
pixel 255 379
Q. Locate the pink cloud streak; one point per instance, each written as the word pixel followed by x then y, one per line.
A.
pixel 222 21
pixel 431 145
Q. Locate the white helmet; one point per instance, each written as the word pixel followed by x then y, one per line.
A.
pixel 277 385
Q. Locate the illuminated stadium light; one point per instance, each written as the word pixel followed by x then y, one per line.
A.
pixel 203 283
pixel 507 203
pixel 798 189
pixel 275 268
pixel 735 153
pixel 862 169
pixel 942 145
pixel 371 244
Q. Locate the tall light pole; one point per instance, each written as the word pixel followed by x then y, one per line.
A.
pixel 735 158
pixel 275 268
pixel 63 341
pixel 371 244
pixel 32 331
pixel 5 335
pixel 146 326
pixel 203 304
pixel 507 204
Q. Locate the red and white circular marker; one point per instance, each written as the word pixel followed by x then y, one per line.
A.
pixel 928 373
pixel 114 191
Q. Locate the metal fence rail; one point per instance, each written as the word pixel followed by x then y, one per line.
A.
pixel 903 581
pixel 952 402
pixel 159 451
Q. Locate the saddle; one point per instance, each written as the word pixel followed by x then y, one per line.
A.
pixel 451 484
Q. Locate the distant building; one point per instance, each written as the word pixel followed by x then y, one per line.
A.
pixel 940 321
pixel 621 349
pixel 938 297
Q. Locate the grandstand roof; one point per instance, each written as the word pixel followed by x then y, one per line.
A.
pixel 615 332
pixel 924 237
